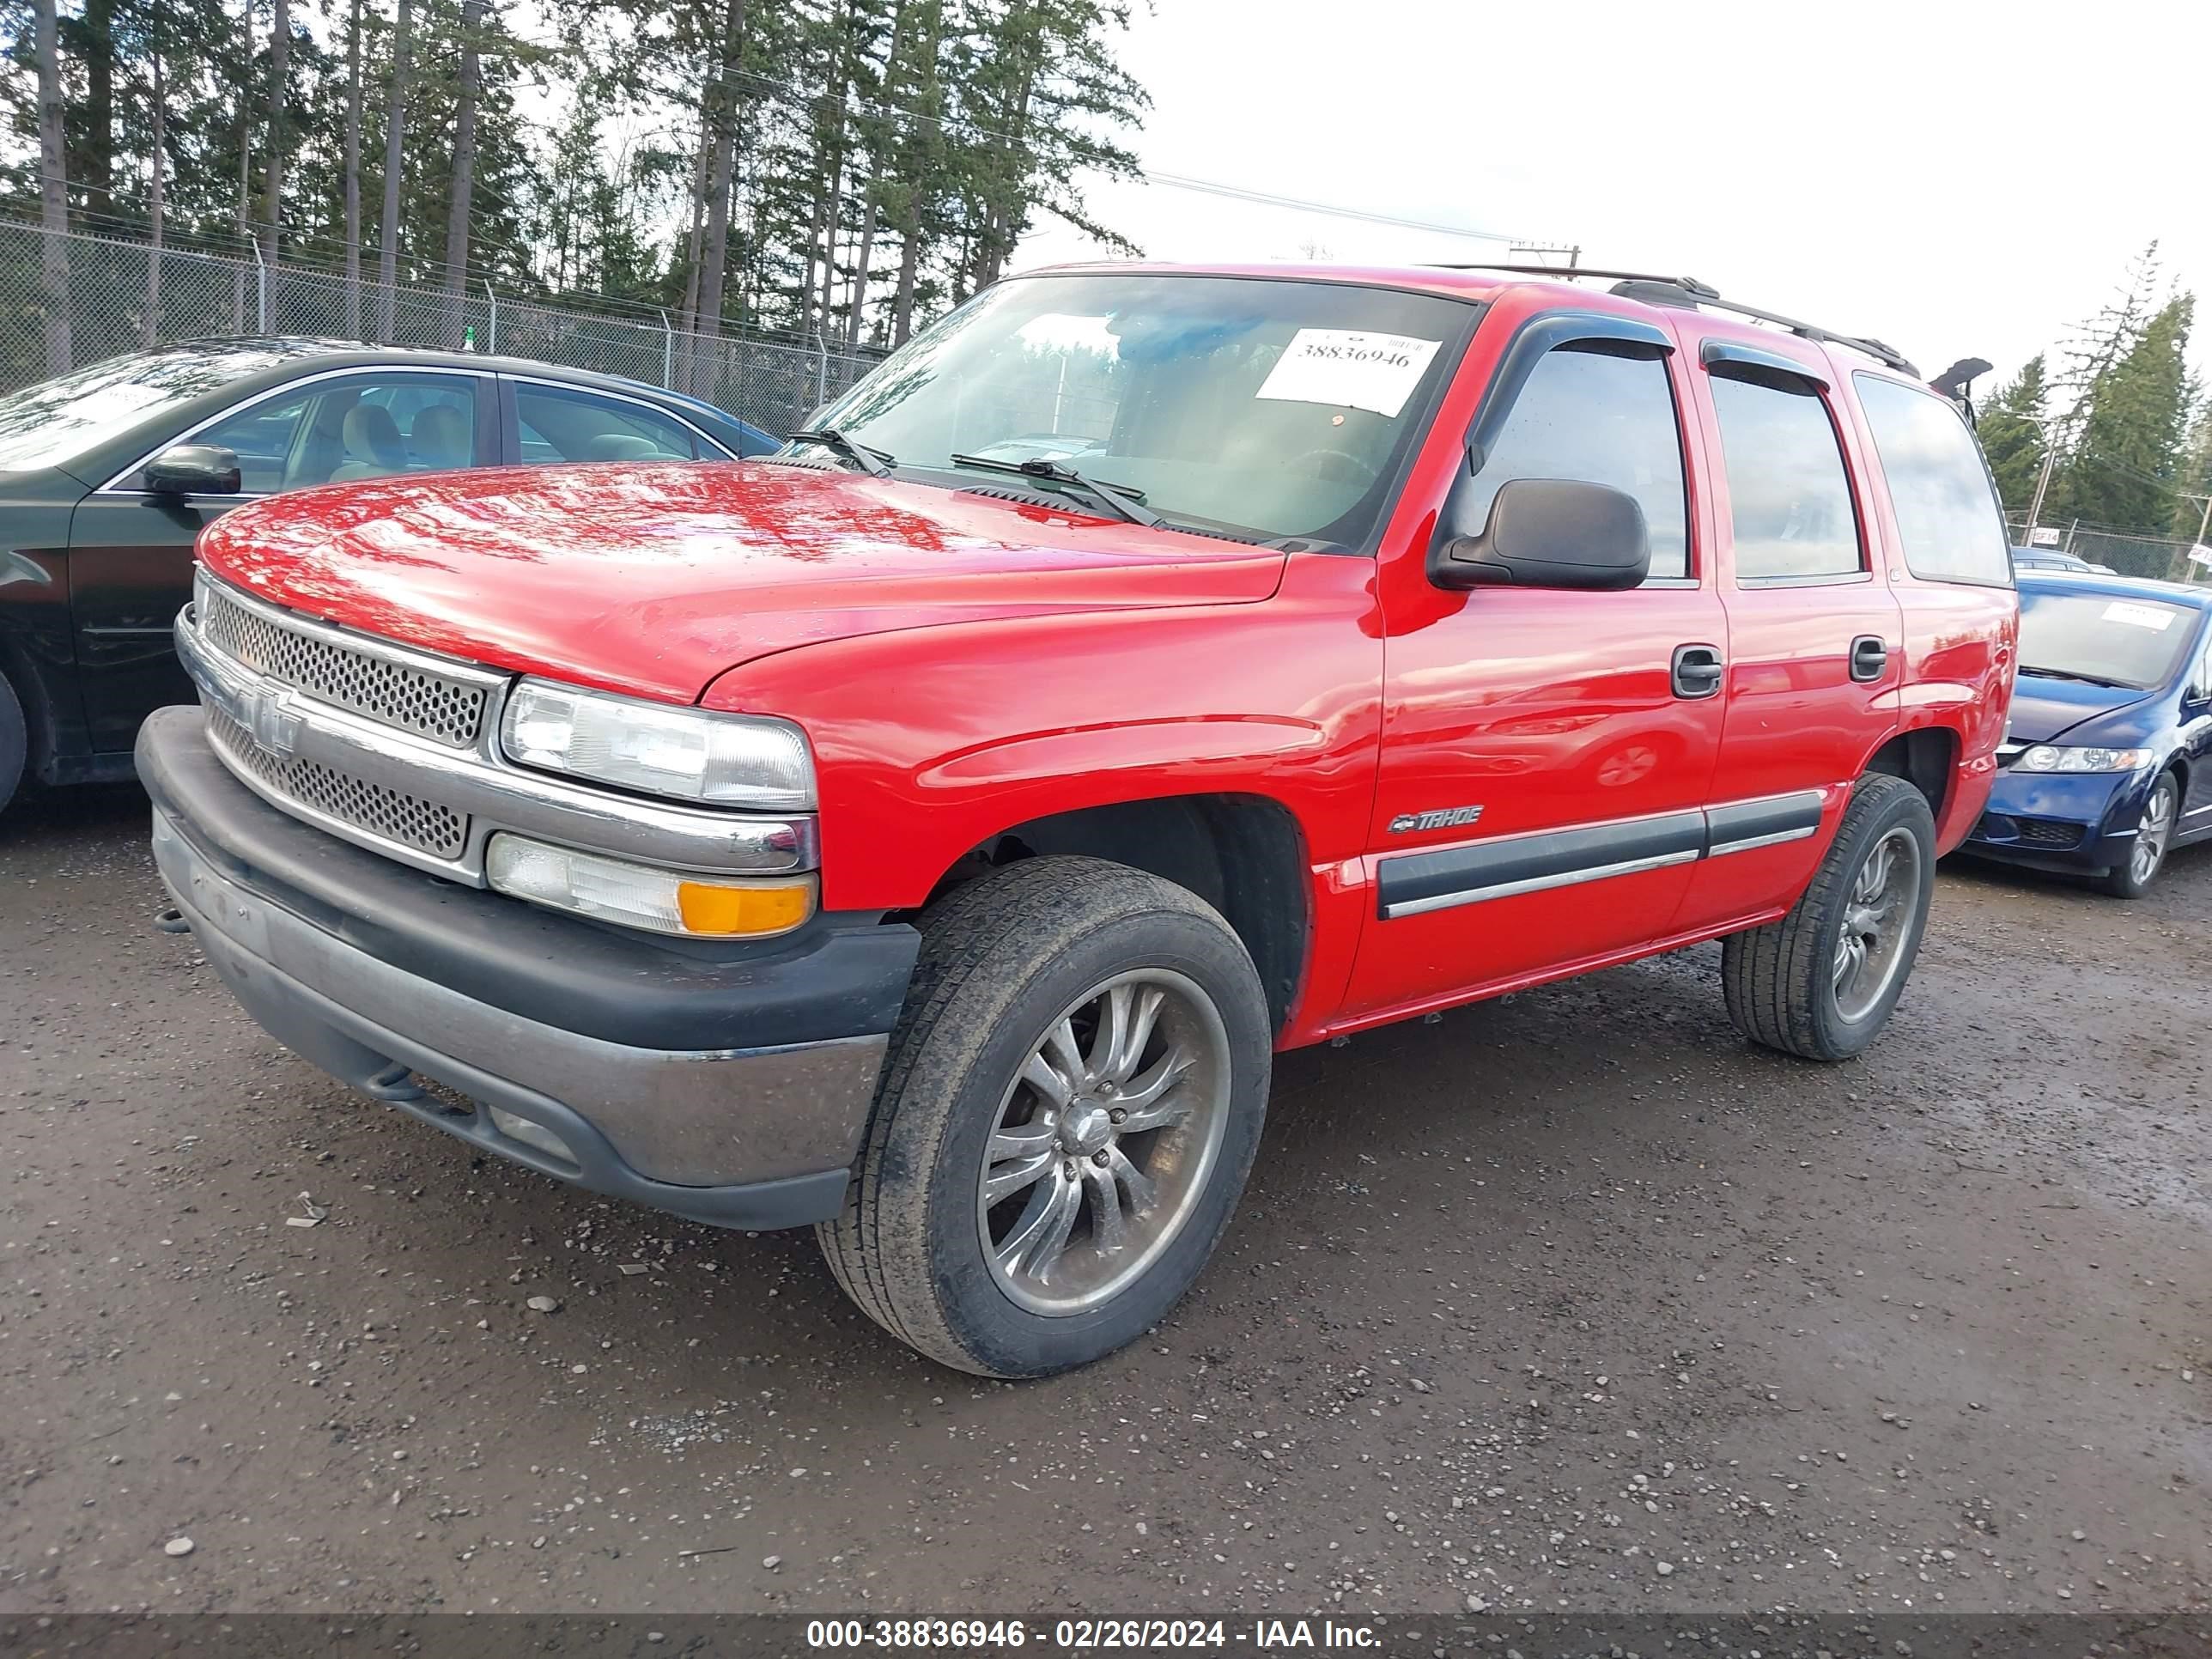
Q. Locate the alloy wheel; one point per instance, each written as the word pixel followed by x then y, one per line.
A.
pixel 2157 829
pixel 1878 919
pixel 1103 1144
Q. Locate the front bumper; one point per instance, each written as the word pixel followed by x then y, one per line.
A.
pixel 2080 821
pixel 729 1085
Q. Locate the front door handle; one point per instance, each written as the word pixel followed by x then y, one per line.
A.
pixel 1697 671
pixel 1869 657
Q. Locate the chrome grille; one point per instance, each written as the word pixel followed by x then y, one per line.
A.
pixel 388 813
pixel 448 711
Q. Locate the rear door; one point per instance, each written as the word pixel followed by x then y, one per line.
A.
pixel 131 549
pixel 1543 774
pixel 1815 648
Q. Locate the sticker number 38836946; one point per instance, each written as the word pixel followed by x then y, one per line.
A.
pixel 1349 368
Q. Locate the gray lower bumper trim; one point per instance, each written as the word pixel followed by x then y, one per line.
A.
pixel 751 1138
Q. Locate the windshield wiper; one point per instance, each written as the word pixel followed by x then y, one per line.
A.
pixel 2069 674
pixel 1127 503
pixel 873 462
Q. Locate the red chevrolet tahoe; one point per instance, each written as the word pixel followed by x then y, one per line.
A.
pixel 931 832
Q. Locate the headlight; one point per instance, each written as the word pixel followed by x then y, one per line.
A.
pixel 2043 758
pixel 685 754
pixel 643 895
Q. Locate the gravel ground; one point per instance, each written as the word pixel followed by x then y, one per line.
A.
pixel 1570 1300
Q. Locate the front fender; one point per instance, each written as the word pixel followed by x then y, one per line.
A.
pixel 930 742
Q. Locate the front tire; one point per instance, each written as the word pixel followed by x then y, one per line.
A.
pixel 1069 1109
pixel 1822 982
pixel 2153 837
pixel 14 743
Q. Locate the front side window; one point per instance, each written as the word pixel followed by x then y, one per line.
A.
pixel 2105 640
pixel 1591 413
pixel 557 424
pixel 1254 407
pixel 1947 516
pixel 367 426
pixel 261 437
pixel 1789 500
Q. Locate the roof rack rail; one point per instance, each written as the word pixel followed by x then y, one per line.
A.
pixel 1688 291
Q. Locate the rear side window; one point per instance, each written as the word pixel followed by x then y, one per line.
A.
pixel 1590 415
pixel 559 424
pixel 1948 515
pixel 1789 500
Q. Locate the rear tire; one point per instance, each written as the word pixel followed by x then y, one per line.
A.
pixel 2153 839
pixel 14 743
pixel 1822 982
pixel 1033 1193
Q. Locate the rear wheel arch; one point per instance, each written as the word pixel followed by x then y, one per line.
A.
pixel 1927 758
pixel 1244 855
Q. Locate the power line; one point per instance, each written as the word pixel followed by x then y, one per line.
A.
pixel 1150 175
pixel 1303 204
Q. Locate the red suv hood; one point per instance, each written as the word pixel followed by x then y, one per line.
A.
pixel 657 578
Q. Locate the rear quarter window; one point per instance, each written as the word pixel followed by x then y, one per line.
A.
pixel 1947 517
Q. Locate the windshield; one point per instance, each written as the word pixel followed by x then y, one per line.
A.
pixel 2135 643
pixel 51 423
pixel 1261 408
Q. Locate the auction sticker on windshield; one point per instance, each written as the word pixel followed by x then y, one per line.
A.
pixel 2157 617
pixel 1349 368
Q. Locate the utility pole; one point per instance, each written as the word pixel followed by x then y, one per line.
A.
pixel 2042 484
pixel 1543 255
pixel 2190 568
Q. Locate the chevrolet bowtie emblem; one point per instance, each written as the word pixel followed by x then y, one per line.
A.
pixel 276 719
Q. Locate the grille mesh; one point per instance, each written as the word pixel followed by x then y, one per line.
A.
pixel 445 710
pixel 408 819
pixel 2041 832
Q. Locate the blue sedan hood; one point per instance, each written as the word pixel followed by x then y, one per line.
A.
pixel 2043 710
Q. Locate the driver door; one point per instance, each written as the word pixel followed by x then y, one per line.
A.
pixel 1545 764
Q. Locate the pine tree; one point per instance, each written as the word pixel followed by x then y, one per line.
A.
pixel 2190 512
pixel 842 169
pixel 2124 462
pixel 2014 435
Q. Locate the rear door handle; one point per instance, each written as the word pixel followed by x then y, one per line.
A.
pixel 1869 657
pixel 1697 671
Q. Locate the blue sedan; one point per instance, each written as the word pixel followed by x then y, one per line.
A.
pixel 2106 765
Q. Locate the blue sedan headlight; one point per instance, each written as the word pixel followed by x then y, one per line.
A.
pixel 2044 757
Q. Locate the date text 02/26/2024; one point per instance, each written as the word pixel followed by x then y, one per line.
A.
pixel 1084 1635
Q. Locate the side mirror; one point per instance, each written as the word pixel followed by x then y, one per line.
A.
pixel 194 469
pixel 1542 532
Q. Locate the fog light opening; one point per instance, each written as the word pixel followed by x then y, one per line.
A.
pixel 532 1134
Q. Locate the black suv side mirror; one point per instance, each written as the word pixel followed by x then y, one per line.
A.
pixel 1542 532
pixel 194 469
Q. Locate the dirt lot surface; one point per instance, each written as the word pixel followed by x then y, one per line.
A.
pixel 1567 1300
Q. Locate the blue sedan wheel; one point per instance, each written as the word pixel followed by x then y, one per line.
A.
pixel 2152 836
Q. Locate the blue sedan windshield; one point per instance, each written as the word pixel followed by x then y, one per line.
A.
pixel 2103 638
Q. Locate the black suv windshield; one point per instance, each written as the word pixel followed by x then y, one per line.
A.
pixel 2103 638
pixel 1264 408
pixel 51 423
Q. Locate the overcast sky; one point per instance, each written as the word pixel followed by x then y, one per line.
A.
pixel 1957 178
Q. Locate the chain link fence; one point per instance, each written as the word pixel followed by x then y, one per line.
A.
pixel 2162 558
pixel 125 296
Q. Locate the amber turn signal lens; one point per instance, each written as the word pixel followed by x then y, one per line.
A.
pixel 715 911
pixel 644 895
